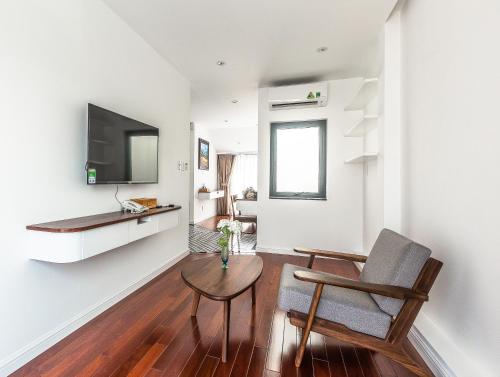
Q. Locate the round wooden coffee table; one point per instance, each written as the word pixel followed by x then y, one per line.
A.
pixel 206 277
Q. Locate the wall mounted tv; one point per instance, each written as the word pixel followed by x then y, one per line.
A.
pixel 120 149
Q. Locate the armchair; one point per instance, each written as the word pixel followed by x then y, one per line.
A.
pixel 375 312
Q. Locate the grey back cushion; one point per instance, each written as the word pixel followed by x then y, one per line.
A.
pixel 394 260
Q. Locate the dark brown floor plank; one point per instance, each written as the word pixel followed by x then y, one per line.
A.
pixel 318 347
pixel 351 361
pixel 240 313
pixel 321 368
pixel 244 353
pixel 262 338
pixel 270 373
pixel 144 356
pixel 196 358
pixel 189 335
pixel 289 348
pixel 154 373
pixel 151 333
pixel 306 368
pixel 276 341
pixel 208 367
pixel 335 359
pixel 257 362
pixel 366 362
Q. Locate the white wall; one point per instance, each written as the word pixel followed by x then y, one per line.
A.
pixel 451 178
pixel 382 184
pixel 391 133
pixel 55 56
pixel 336 223
pixel 373 183
pixel 204 209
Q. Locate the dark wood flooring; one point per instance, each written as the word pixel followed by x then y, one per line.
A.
pixel 211 223
pixel 151 333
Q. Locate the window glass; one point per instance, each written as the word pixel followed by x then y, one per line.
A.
pixel 298 160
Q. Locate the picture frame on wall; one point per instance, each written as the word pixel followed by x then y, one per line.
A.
pixel 203 154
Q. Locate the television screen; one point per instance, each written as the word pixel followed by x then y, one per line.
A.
pixel 120 149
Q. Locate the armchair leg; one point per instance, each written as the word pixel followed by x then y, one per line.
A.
pixel 310 319
pixel 311 261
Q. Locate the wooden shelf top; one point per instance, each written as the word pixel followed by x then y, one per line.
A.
pixel 81 224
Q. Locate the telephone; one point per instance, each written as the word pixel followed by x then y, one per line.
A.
pixel 133 207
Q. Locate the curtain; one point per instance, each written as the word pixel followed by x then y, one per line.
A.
pixel 244 174
pixel 224 169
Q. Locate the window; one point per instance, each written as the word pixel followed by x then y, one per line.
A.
pixel 298 160
pixel 244 173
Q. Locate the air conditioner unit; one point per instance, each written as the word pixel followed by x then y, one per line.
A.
pixel 298 96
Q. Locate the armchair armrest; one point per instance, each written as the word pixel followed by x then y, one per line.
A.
pixel 331 254
pixel 380 289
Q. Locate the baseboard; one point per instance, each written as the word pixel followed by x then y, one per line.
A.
pixel 16 360
pixel 433 360
pixel 275 250
pixel 200 219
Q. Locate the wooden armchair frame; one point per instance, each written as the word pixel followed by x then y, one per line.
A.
pixel 392 345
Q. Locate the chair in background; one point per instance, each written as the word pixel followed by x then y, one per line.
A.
pixel 375 312
pixel 236 214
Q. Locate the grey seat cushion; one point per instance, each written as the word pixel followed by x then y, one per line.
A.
pixel 394 260
pixel 353 309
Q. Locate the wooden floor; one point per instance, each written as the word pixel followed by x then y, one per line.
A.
pixel 151 333
pixel 211 223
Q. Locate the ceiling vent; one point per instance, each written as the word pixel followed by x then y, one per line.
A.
pixel 298 96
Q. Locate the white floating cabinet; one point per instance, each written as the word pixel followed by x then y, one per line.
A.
pixel 211 195
pixel 366 92
pixel 65 245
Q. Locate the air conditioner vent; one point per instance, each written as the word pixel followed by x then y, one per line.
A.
pixel 298 96
pixel 294 104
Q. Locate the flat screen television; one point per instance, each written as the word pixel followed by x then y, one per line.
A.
pixel 120 149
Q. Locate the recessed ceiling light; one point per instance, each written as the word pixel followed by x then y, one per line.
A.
pixel 235 101
pixel 322 49
pixel 220 63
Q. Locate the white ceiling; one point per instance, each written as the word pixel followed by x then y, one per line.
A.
pixel 234 139
pixel 263 42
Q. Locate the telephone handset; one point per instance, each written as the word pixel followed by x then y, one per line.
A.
pixel 133 207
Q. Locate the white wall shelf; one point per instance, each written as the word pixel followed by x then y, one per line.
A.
pixel 362 158
pixel 367 91
pixel 365 125
pixel 211 195
pixel 73 240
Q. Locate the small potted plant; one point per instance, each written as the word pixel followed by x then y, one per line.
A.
pixel 228 228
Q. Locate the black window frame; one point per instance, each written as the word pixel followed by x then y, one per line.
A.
pixel 321 194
